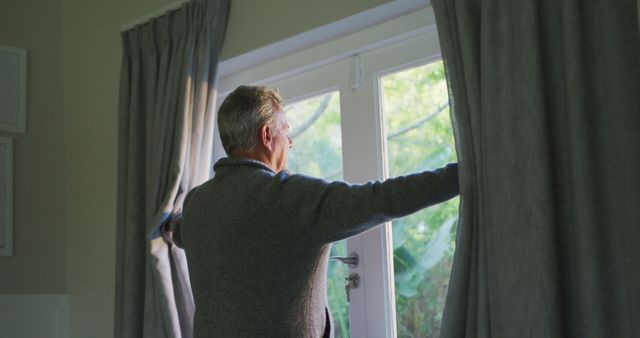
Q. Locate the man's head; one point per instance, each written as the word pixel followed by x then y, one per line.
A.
pixel 252 124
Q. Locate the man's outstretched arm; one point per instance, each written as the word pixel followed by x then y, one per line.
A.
pixel 337 210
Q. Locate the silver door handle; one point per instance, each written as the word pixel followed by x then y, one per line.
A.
pixel 351 260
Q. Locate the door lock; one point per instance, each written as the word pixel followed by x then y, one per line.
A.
pixel 351 282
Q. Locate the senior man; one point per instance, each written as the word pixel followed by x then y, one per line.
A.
pixel 257 237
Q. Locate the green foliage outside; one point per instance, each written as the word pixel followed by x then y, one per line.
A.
pixel 419 137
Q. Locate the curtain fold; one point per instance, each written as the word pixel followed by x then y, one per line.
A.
pixel 167 99
pixel 546 106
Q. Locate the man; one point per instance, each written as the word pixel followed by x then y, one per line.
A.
pixel 257 237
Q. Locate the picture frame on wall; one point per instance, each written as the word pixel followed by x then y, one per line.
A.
pixel 6 196
pixel 13 89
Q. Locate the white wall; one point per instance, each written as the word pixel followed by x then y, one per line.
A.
pixel 38 262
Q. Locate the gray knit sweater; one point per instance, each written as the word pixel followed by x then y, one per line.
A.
pixel 257 242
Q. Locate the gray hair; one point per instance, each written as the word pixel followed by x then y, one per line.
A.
pixel 242 114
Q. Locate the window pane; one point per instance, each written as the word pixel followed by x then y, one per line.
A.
pixel 419 137
pixel 317 151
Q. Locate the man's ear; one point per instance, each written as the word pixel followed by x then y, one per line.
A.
pixel 266 136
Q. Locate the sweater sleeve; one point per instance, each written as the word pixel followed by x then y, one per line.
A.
pixel 333 211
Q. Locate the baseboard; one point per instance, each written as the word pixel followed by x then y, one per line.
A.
pixel 34 316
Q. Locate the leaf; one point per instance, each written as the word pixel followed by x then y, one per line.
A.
pixel 437 247
pixel 407 274
pixel 406 289
pixel 403 261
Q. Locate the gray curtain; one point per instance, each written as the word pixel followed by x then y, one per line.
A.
pixel 546 103
pixel 167 95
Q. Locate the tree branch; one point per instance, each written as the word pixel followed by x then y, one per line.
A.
pixel 316 115
pixel 420 122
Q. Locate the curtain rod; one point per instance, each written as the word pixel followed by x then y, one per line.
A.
pixel 155 14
